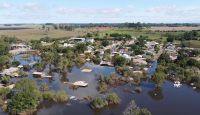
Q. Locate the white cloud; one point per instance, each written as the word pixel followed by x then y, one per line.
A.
pixel 5 6
pixel 174 10
pixel 32 7
pixel 96 12
pixel 173 14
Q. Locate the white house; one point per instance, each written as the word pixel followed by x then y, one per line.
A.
pixel 20 46
pixel 78 40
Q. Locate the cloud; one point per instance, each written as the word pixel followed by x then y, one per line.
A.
pixel 95 12
pixel 32 7
pixel 174 10
pixel 5 6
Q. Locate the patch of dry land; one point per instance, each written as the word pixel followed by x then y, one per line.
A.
pixel 183 28
pixel 35 32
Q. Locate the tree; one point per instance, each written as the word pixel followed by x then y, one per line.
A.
pixel 119 60
pixel 63 64
pixel 43 27
pixel 137 49
pixel 133 109
pixel 15 63
pixel 60 96
pixel 80 47
pixel 98 103
pixel 105 43
pixel 170 39
pixel 39 66
pixel 159 77
pixel 5 79
pixel 164 58
pixel 4 60
pixel 103 87
pixel 25 99
pixel 88 35
pixel 113 98
pixel 4 47
pixel 44 87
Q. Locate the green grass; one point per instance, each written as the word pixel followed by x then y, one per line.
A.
pixel 193 43
pixel 190 43
pixel 153 35
pixel 36 33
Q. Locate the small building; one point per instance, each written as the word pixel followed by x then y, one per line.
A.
pixel 19 46
pixel 77 40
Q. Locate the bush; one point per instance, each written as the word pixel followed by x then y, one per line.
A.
pixel 98 103
pixel 44 87
pixel 39 66
pixel 103 87
pixel 119 60
pixel 26 97
pixel 27 67
pixel 113 98
pixel 48 95
pixel 15 63
pixel 96 60
pixel 159 77
pixel 5 79
pixel 4 93
pixel 133 109
pixel 105 43
pixel 60 96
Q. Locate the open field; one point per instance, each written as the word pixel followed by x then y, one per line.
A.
pixel 174 28
pixel 190 43
pixel 134 32
pixel 35 32
pixel 193 43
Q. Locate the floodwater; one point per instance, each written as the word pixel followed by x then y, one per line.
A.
pixel 167 100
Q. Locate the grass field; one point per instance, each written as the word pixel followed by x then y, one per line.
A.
pixel 134 32
pixel 183 28
pixel 193 43
pixel 35 32
pixel 190 43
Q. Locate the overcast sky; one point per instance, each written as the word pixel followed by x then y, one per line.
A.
pixel 99 11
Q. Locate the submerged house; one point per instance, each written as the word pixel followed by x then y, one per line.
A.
pixel 19 46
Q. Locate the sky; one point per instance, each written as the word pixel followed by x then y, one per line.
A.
pixel 99 11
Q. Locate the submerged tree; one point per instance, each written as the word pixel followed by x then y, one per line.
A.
pixel 25 99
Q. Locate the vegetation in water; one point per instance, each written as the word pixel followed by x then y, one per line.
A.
pixel 99 102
